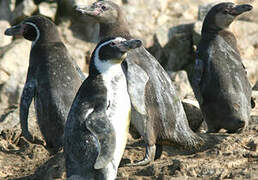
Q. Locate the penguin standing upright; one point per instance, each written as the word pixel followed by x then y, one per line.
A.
pixel 97 126
pixel 220 81
pixel 53 79
pixel 157 112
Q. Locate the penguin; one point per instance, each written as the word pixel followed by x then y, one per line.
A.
pixel 98 122
pixel 220 81
pixel 53 79
pixel 157 112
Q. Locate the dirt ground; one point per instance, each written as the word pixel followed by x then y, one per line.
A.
pixel 224 156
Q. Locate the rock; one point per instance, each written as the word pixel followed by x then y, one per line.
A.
pixel 173 46
pixel 255 88
pixel 10 120
pixel 251 66
pixel 79 49
pixel 13 68
pixel 48 9
pixel 255 95
pixel 197 32
pixel 193 114
pixel 82 26
pixel 24 9
pixel 4 40
pixel 181 82
pixel 5 10
pixel 246 34
pixel 203 9
pixel 142 17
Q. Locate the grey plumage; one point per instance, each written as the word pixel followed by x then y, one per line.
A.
pixel 157 112
pixel 220 82
pixel 52 80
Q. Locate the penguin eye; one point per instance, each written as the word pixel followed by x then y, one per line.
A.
pixel 112 44
pixel 225 11
pixel 103 7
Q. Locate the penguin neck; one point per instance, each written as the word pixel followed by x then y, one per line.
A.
pixel 46 37
pixel 212 34
pixel 100 67
pixel 116 29
pixel 211 31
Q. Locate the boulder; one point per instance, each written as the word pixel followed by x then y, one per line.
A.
pixel 181 82
pixel 4 40
pixel 79 49
pixel 13 69
pixel 5 9
pixel 173 46
pixel 84 27
pixel 193 114
pixel 255 87
pixel 24 9
pixel 48 9
pixel 143 16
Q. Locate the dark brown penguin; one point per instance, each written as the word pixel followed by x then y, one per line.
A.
pixel 53 79
pixel 157 112
pixel 220 82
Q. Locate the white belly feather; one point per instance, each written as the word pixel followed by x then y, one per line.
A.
pixel 119 108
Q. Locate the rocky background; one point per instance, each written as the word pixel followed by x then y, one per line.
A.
pixel 170 30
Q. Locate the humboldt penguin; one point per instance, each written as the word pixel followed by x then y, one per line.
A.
pixel 53 79
pixel 157 112
pixel 98 122
pixel 220 81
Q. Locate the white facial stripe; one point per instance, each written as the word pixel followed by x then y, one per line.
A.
pixel 102 66
pixel 37 30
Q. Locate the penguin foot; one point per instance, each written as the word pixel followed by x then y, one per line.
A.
pixel 33 139
pixel 149 156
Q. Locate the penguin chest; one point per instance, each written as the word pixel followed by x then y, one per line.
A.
pixel 118 111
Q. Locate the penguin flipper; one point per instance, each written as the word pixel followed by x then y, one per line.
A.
pixel 26 99
pixel 198 72
pixel 137 93
pixel 79 71
pixel 104 131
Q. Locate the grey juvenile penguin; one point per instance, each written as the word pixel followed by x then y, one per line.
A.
pixel 98 122
pixel 220 82
pixel 53 79
pixel 157 112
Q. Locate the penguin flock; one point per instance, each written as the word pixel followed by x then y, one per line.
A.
pixel 89 117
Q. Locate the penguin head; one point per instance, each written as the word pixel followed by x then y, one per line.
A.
pixel 222 15
pixel 102 11
pixel 112 51
pixel 35 28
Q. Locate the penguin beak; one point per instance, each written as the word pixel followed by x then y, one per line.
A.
pixel 125 46
pixel 14 30
pixel 239 9
pixel 88 10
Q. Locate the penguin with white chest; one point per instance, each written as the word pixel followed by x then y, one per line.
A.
pixel 97 126
pixel 53 79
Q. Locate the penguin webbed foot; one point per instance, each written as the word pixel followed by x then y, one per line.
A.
pixel 149 156
pixel 32 139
